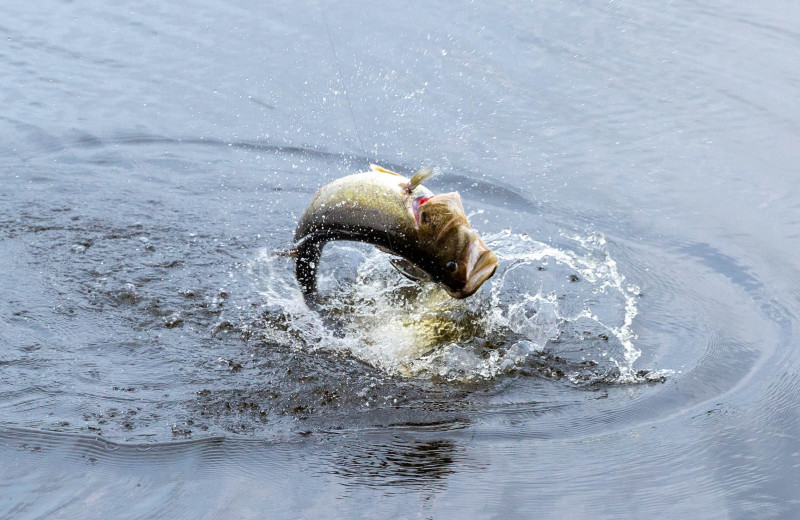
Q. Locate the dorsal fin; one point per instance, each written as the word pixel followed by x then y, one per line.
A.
pixel 376 168
pixel 422 175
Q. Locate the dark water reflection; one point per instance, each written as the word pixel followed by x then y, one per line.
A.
pixel 403 464
pixel 633 165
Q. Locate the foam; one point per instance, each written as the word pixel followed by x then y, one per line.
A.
pixel 545 303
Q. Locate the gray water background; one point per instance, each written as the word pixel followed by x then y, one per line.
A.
pixel 152 154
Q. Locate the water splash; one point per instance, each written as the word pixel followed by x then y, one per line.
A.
pixel 595 265
pixel 548 311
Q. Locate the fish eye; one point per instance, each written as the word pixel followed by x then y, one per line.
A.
pixel 451 266
pixel 425 218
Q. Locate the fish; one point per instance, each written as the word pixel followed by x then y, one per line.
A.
pixel 427 234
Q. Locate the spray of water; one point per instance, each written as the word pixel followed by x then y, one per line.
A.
pixel 565 313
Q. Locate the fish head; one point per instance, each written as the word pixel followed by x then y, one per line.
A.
pixel 454 255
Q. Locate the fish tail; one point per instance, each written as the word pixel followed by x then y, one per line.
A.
pixel 306 263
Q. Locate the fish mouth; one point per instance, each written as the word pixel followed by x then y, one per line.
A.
pixel 481 265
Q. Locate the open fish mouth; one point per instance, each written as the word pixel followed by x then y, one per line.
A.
pixel 481 265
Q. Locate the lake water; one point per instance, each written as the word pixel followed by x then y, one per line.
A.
pixel 633 164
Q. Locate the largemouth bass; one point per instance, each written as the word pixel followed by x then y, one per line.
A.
pixel 428 233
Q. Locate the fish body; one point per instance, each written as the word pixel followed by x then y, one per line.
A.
pixel 429 233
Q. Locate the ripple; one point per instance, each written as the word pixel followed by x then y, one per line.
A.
pixel 402 463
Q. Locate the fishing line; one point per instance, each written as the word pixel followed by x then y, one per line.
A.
pixel 341 79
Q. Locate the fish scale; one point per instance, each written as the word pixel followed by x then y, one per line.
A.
pixel 429 233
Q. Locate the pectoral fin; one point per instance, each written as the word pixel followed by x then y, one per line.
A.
pixel 409 270
pixel 422 175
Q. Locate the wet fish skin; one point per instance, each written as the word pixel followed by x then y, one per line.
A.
pixel 398 215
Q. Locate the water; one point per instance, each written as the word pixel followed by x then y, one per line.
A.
pixel 633 165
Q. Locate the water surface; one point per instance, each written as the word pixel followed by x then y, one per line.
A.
pixel 634 167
